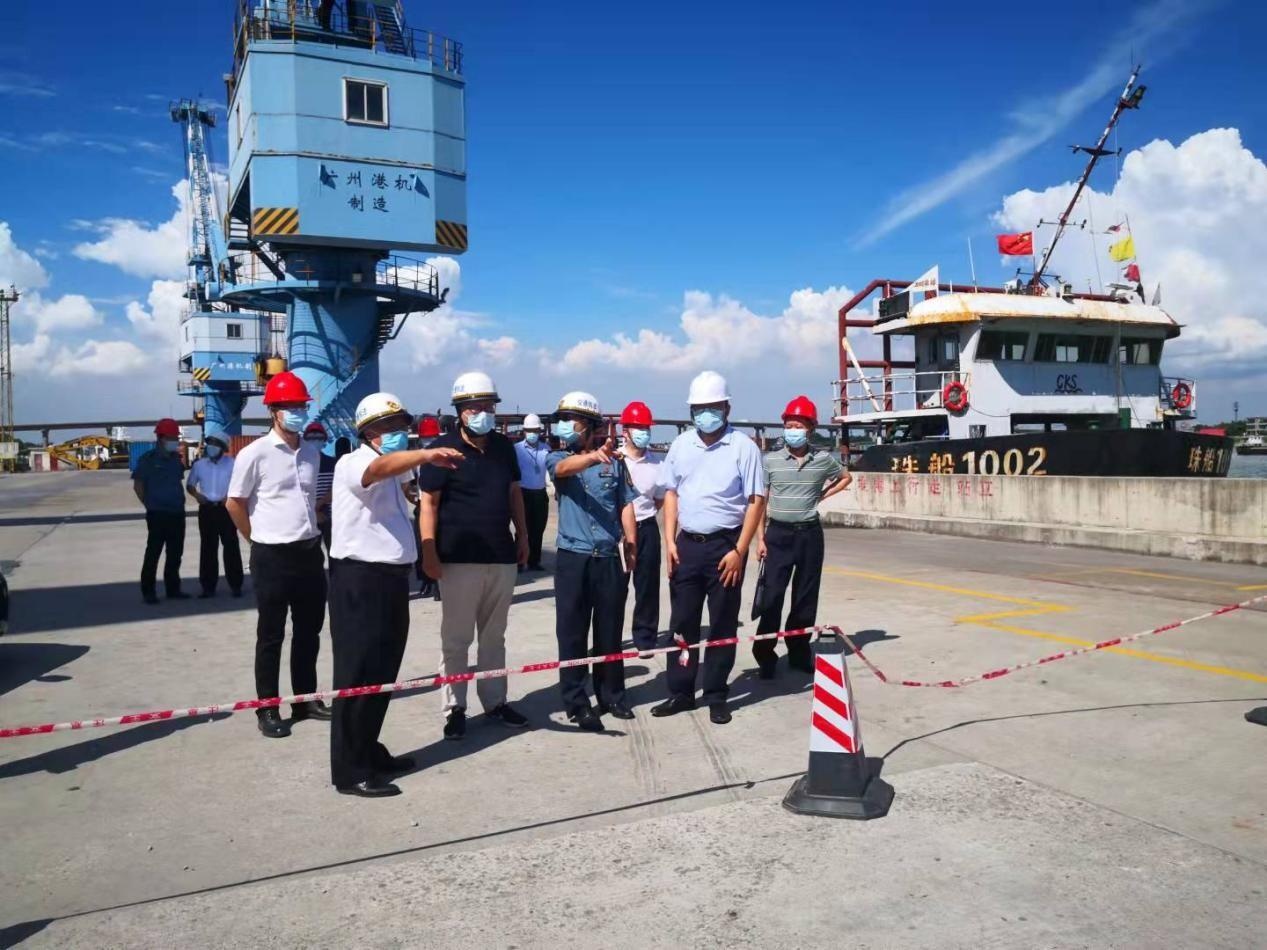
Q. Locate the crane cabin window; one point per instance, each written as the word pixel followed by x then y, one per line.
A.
pixel 233 331
pixel 364 102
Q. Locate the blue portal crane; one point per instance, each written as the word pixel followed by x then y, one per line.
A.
pixel 347 143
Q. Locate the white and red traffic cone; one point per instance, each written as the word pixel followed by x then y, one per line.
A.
pixel 839 783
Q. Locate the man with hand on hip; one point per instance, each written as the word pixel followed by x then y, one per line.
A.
pixel 798 477
pixel 714 500
pixel 644 471
pixel 373 549
pixel 467 547
pixel 273 502
pixel 208 484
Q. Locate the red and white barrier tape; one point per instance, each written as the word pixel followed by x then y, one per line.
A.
pixel 1062 655
pixel 680 646
pixel 422 681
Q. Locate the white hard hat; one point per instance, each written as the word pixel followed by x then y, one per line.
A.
pixel 474 385
pixel 582 403
pixel 532 421
pixel 377 406
pixel 708 387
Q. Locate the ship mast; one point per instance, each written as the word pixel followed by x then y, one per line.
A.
pixel 1129 99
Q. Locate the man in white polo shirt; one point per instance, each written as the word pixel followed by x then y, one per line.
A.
pixel 372 552
pixel 273 502
pixel 713 503
pixel 644 470
pixel 208 484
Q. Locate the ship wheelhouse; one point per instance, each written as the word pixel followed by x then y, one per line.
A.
pixel 998 364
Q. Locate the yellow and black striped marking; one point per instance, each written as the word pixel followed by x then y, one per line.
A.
pixel 274 221
pixel 201 375
pixel 451 234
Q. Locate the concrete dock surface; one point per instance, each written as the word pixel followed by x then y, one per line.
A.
pixel 1111 800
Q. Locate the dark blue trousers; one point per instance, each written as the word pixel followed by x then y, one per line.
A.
pixel 646 585
pixel 695 582
pixel 589 592
pixel 794 554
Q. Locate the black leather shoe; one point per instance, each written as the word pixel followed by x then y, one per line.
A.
pixel 455 723
pixel 619 710
pixel 1257 716
pixel 376 787
pixel 397 764
pixel 179 595
pixel 768 671
pixel 272 724
pixel 587 720
pixel 719 714
pixel 314 710
pixel 672 706
pixel 206 594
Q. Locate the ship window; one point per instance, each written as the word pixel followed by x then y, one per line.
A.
pixel 365 102
pixel 1000 345
pixel 1055 348
pixel 233 331
pixel 1137 352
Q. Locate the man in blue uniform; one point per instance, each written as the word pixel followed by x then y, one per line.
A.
pixel 596 521
pixel 713 503
pixel 158 481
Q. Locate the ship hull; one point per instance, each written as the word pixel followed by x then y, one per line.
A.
pixel 1251 450
pixel 1136 453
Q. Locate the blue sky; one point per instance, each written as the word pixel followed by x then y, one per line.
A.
pixel 621 156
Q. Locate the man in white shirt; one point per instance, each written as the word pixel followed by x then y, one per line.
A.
pixel 208 484
pixel 644 470
pixel 273 502
pixel 531 454
pixel 372 551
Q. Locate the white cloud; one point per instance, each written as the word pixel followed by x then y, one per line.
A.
pixel 1034 122
pixel 722 333
pixel 24 84
pixel 138 249
pixel 161 322
pixel 100 358
pixel 68 312
pixel 17 267
pixel 1196 211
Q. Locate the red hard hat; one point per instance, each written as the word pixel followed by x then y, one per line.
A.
pixel 802 407
pixel 167 427
pixel 285 387
pixel 428 427
pixel 315 427
pixel 636 414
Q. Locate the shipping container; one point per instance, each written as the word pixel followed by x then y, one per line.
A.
pixel 238 442
pixel 135 451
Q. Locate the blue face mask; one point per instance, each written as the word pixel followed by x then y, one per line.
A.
pixel 213 451
pixel 709 421
pixel 171 445
pixel 795 438
pixel 393 442
pixel 481 423
pixel 532 438
pixel 294 420
pixel 641 438
pixel 566 432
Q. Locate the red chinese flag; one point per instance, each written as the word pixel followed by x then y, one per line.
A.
pixel 1132 272
pixel 1021 245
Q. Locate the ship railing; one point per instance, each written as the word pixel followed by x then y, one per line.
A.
pixel 247 387
pixel 306 21
pixel 1171 393
pixel 402 273
pixel 894 392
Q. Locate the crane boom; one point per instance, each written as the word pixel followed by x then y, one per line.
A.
pixel 208 252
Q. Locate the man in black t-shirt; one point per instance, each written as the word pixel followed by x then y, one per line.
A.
pixel 466 514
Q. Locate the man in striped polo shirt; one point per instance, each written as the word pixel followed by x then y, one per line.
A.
pixel 790 544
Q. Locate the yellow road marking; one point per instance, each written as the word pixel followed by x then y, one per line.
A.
pixel 1138 573
pixel 1035 608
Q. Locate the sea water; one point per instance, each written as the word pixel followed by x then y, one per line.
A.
pixel 1248 466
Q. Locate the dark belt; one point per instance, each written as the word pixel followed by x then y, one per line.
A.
pixel 211 504
pixel 649 518
pixel 378 567
pixel 725 533
pixel 796 525
pixel 541 490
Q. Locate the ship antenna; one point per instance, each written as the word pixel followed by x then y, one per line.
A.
pixel 1129 99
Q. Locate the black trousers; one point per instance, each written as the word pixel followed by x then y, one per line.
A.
pixel 695 581
pixel 216 528
pixel 369 626
pixel 646 585
pixel 536 514
pixel 589 592
pixel 166 529
pixel 288 577
pixel 792 554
